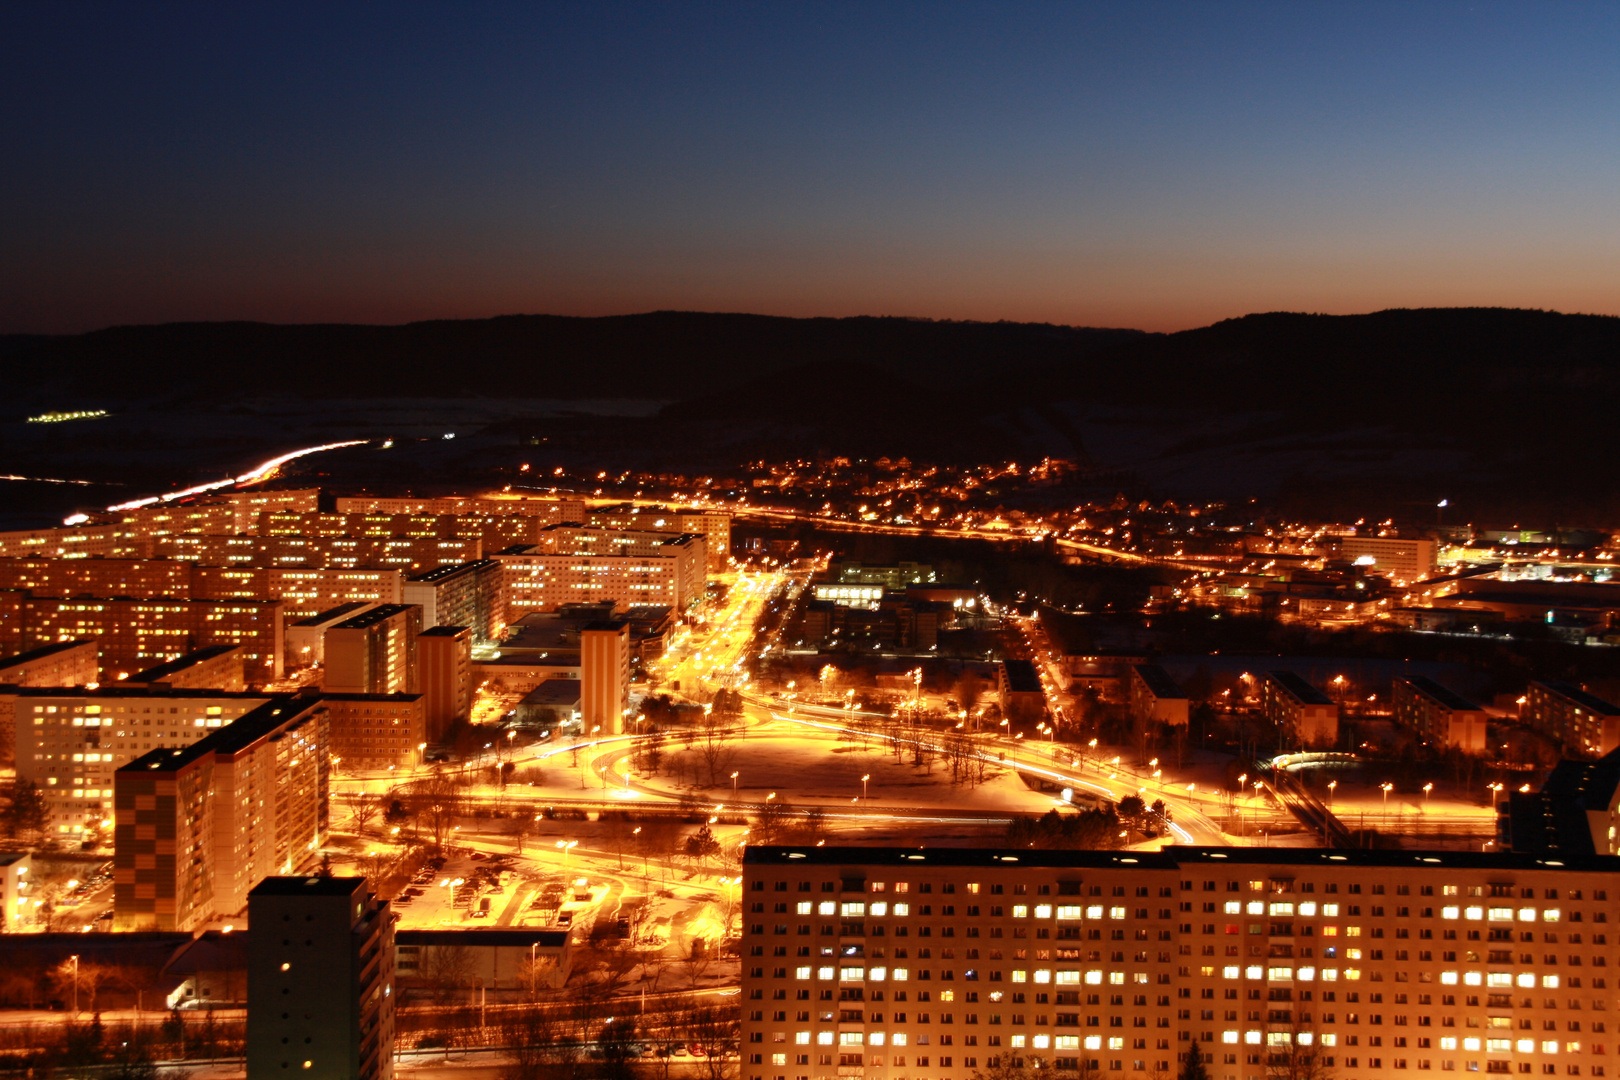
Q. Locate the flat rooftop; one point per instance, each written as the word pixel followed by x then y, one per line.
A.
pixel 43 651
pixel 1580 697
pixel 237 735
pixel 1173 857
pixel 181 663
pixel 450 570
pixel 309 885
pixel 1447 698
pixel 1159 682
pixel 1300 690
pixel 380 613
pixel 334 614
pixel 1021 677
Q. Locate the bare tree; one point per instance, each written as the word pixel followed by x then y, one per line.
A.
pixel 714 746
pixel 446 969
pixel 364 808
pixel 715 1029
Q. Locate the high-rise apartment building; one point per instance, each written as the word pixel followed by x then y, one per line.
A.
pixel 67 663
pixel 444 661
pixel 197 827
pixel 548 510
pixel 409 553
pixel 306 637
pixel 1155 697
pixel 713 525
pixel 137 634
pixel 71 741
pixel 580 565
pixel 943 963
pixel 604 675
pixel 468 594
pixel 320 980
pixel 377 731
pixel 374 652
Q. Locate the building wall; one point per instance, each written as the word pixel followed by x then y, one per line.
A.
pixel 409 553
pixel 376 658
pixel 138 634
pixel 75 664
pixel 537 581
pixel 332 953
pixel 1580 728
pixel 604 662
pixel 73 744
pixel 1313 724
pixel 445 661
pixel 1149 707
pixel 470 596
pixel 271 807
pixel 163 832
pixel 195 832
pixel 1408 560
pixel 378 731
pixel 902 963
pixel 1436 722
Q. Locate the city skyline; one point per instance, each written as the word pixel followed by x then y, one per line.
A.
pixel 1158 166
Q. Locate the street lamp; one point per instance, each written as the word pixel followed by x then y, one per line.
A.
pixel 450 885
pixel 1331 785
pixel 1386 788
pixel 734 785
pixel 75 959
pixel 1426 789
pixel 864 779
pixel 567 846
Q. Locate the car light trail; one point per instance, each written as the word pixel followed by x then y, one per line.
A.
pixel 251 476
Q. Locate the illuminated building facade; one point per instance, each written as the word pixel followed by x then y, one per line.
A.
pixel 70 742
pixel 1582 723
pixel 604 674
pixel 1439 715
pixel 137 634
pixel 549 510
pixel 1405 560
pixel 198 827
pixel 468 594
pixel 217 667
pixel 411 553
pixel 65 663
pixel 1296 706
pixel 373 652
pixel 377 731
pixel 943 963
pixel 444 662
pixel 584 565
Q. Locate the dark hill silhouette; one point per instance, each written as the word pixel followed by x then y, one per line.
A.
pixel 661 355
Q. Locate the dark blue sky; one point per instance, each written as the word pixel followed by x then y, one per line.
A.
pixel 1152 165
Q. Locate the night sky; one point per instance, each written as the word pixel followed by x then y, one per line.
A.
pixel 1150 165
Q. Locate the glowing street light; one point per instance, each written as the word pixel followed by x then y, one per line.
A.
pixel 1331 785
pixel 734 785
pixel 1426 789
pixel 864 779
pixel 567 846
pixel 1386 788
